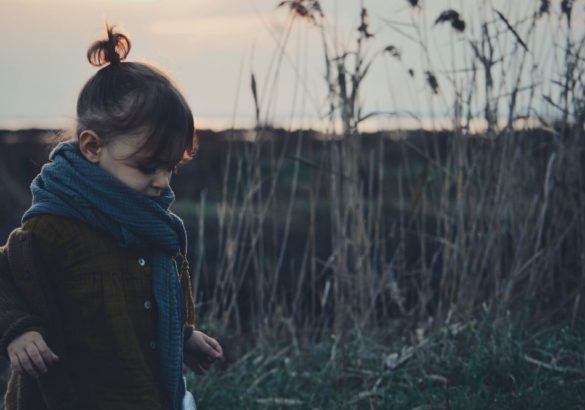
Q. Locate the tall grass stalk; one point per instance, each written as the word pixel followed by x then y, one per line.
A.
pixel 349 231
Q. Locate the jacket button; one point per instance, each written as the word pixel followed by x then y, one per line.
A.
pixel 152 344
pixel 147 305
pixel 141 262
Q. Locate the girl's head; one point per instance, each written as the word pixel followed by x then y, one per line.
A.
pixel 131 118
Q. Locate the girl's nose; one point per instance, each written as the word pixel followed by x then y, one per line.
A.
pixel 162 179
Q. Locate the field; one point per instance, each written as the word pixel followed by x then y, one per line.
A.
pixel 522 352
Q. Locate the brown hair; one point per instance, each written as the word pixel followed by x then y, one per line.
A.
pixel 130 98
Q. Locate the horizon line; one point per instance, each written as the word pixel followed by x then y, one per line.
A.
pixel 220 124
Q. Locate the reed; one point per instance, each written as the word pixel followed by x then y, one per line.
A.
pixel 337 234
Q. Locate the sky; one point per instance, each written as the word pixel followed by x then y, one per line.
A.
pixel 211 48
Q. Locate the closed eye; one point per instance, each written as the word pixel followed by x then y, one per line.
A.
pixel 151 169
pixel 147 169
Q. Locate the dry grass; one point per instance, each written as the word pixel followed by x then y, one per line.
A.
pixel 491 222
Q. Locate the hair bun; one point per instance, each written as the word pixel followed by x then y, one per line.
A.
pixel 111 50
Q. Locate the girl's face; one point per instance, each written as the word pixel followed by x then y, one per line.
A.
pixel 137 170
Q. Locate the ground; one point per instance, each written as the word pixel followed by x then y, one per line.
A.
pixel 454 366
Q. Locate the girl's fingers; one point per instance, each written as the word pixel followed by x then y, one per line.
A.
pixel 29 354
pixel 189 361
pixel 203 364
pixel 35 356
pixel 46 352
pixel 198 357
pixel 15 366
pixel 27 365
pixel 194 366
pixel 206 349
pixel 214 344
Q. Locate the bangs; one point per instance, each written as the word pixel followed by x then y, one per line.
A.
pixel 166 120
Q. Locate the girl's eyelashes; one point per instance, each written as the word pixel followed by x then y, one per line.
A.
pixel 151 169
pixel 147 169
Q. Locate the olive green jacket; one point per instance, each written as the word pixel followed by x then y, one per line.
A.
pixel 94 305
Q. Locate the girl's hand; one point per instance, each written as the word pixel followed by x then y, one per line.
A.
pixel 201 351
pixel 29 354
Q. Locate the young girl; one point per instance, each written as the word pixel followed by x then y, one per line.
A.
pixel 109 254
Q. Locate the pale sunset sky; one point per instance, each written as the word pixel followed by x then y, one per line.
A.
pixel 210 47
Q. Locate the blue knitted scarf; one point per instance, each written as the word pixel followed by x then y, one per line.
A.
pixel 71 186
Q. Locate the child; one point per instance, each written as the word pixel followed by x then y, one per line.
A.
pixel 109 254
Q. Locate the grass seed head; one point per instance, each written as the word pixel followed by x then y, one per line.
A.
pixel 306 9
pixel 432 82
pixel 458 25
pixel 453 17
pixel 567 9
pixel 393 51
pixel 544 7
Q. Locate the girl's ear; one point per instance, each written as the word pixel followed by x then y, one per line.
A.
pixel 90 145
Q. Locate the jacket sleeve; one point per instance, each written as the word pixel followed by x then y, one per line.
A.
pixel 15 316
pixel 25 305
